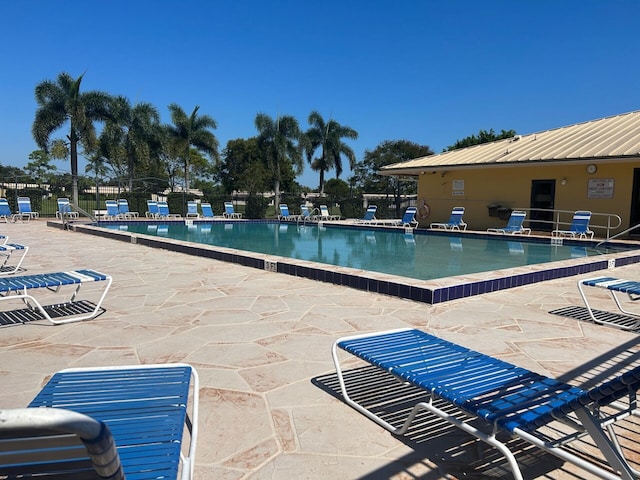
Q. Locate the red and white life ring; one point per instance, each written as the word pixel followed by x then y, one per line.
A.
pixel 423 209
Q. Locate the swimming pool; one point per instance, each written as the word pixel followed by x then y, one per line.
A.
pixel 424 255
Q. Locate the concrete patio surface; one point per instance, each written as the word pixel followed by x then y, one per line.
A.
pixel 261 341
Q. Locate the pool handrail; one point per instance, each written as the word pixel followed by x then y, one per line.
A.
pixel 613 220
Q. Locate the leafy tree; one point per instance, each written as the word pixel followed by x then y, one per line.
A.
pixel 328 137
pixel 366 175
pixel 39 166
pixel 192 131
pixel 337 188
pixel 241 167
pixel 278 143
pixel 61 102
pixel 483 137
pixel 133 131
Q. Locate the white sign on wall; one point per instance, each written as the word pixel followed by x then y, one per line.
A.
pixel 600 188
pixel 457 187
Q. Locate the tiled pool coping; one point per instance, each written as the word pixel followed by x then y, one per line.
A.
pixel 426 291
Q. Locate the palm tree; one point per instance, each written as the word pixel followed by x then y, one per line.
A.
pixel 136 129
pixel 278 142
pixel 191 131
pixel 61 102
pixel 329 137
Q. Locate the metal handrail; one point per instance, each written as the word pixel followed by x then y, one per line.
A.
pixel 613 220
pixel 617 235
pixel 65 217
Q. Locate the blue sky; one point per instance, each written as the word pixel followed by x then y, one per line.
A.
pixel 430 72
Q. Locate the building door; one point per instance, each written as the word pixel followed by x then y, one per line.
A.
pixel 543 195
pixel 635 203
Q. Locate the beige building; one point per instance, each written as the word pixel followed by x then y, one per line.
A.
pixel 592 166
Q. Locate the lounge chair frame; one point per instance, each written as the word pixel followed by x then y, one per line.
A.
pixel 147 407
pixel 509 398
pixel 614 286
pixel 23 288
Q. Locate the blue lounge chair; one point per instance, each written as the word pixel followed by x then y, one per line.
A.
pixel 628 288
pixel 105 422
pixel 152 209
pixel 113 212
pixel 514 225
pixel 192 209
pixel 23 290
pixel 24 208
pixel 407 220
pixel 64 209
pixel 163 211
pixel 579 226
pixel 207 211
pixel 508 398
pixel 229 211
pixel 369 215
pixel 123 209
pixel 326 215
pixel 5 210
pixel 455 221
pixel 285 215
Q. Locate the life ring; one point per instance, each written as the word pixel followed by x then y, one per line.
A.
pixel 423 209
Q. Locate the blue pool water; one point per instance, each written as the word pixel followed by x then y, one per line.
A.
pixel 422 256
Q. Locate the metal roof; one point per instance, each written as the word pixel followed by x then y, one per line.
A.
pixel 609 138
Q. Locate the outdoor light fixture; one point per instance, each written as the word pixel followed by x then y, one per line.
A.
pixel 563 181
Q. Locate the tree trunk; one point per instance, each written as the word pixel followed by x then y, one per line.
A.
pixel 186 171
pixel 74 166
pixel 276 189
pixel 321 182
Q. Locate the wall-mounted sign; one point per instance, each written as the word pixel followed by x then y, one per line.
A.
pixel 600 188
pixel 457 187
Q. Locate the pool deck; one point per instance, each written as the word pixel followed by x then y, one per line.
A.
pixel 261 342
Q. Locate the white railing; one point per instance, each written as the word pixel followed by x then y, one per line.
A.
pixel 563 218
